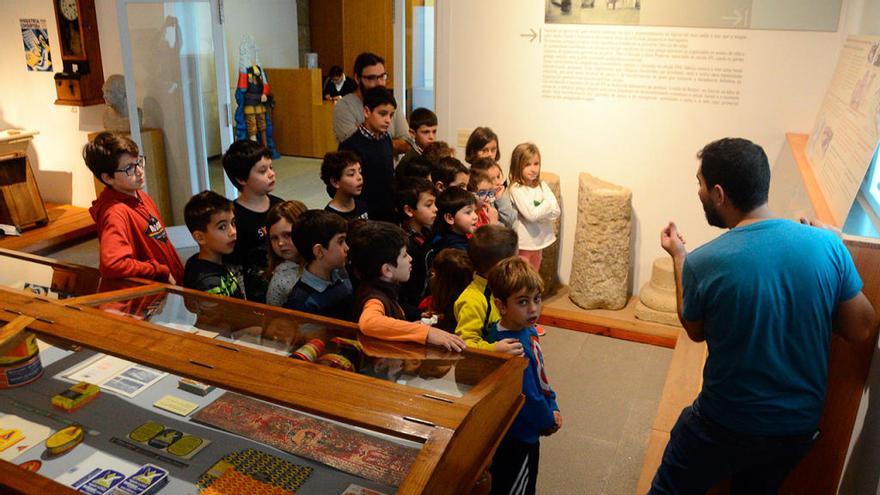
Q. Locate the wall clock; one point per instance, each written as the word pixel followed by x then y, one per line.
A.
pixel 82 76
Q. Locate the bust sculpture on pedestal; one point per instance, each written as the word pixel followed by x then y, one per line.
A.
pixel 116 111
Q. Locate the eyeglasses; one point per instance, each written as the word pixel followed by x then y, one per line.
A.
pixel 380 77
pixel 129 170
pixel 488 194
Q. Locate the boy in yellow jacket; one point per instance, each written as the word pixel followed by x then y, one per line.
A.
pixel 475 309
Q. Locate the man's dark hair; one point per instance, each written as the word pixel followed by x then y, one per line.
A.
pixel 418 166
pixel 422 116
pixel 240 158
pixel 740 167
pixel 377 96
pixel 198 210
pixel 450 201
pixel 491 244
pixel 316 227
pixel 365 60
pixel 446 170
pixel 373 245
pixel 333 165
pixel 334 71
pixel 102 153
pixel 408 191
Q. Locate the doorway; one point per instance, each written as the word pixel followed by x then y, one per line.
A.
pixel 175 64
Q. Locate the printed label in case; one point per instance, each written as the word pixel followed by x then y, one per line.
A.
pixel 102 483
pixel 147 480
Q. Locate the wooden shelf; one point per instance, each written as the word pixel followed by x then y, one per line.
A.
pixel 67 224
pixel 302 122
pixel 559 311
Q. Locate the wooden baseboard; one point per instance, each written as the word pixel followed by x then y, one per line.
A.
pixel 559 311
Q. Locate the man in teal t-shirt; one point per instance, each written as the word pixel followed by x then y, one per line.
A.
pixel 765 296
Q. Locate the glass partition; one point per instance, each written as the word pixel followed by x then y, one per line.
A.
pixel 307 338
pixel 49 278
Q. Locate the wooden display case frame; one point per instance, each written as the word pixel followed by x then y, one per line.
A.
pixel 459 434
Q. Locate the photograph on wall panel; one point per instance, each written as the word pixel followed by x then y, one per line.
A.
pixel 796 15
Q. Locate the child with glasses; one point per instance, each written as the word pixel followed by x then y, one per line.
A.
pixel 131 233
pixel 506 212
pixel 480 184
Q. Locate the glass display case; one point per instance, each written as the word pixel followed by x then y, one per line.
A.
pixel 53 279
pixel 308 392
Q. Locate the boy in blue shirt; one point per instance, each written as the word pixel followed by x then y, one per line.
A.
pixel 324 287
pixel 517 288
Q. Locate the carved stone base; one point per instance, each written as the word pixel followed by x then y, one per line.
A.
pixel 602 251
pixel 657 297
pixel 645 313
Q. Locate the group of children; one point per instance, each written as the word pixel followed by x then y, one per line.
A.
pixel 431 250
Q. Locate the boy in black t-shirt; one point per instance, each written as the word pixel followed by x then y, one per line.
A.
pixel 249 167
pixel 341 173
pixel 372 144
pixel 211 221
pixel 415 198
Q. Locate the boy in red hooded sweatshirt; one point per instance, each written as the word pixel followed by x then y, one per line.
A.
pixel 132 237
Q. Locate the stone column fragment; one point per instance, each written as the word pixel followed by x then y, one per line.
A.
pixel 550 254
pixel 602 251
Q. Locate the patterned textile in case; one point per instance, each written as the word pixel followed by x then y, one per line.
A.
pixel 345 449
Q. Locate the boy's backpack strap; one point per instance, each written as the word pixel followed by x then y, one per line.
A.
pixel 488 294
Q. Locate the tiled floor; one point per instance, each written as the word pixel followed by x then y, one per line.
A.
pixel 608 391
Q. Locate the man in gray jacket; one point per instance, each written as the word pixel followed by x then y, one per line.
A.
pixel 369 72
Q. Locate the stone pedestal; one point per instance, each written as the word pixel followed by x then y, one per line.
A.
pixel 550 255
pixel 657 297
pixel 602 250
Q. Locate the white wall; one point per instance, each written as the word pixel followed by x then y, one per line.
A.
pixel 488 75
pixel 27 100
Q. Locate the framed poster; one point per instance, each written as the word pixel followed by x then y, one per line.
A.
pixel 35 37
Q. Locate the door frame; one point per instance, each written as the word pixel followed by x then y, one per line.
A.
pixel 199 178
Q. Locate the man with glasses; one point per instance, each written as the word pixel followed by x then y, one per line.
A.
pixel 369 72
pixel 132 236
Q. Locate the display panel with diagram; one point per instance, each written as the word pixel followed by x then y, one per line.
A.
pixel 206 393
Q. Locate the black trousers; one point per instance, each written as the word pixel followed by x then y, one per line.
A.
pixel 701 453
pixel 514 468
